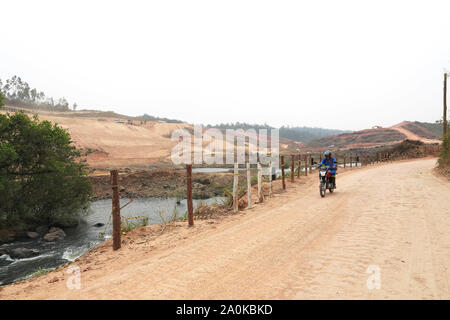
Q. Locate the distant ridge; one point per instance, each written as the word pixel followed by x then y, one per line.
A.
pixel 298 134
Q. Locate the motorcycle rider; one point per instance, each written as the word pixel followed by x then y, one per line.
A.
pixel 330 162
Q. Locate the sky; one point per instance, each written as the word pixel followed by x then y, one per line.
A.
pixel 333 64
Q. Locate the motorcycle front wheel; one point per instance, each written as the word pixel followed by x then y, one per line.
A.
pixel 322 189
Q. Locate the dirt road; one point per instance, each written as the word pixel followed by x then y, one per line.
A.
pixel 392 218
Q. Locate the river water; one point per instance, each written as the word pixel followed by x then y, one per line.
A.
pixel 277 171
pixel 85 236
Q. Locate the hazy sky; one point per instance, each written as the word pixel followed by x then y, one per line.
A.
pixel 336 64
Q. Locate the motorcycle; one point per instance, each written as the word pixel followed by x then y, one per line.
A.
pixel 325 181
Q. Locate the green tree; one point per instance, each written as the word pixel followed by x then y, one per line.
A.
pixel 19 93
pixel 1 99
pixel 41 181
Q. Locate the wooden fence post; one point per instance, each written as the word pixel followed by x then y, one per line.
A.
pixel 270 178
pixel 310 166
pixel 282 173
pixel 249 187
pixel 351 160
pixel 260 194
pixel 236 188
pixel 299 165
pixel 292 167
pixel 189 195
pixel 306 166
pixel 115 209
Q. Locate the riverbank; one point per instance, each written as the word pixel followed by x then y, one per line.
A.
pixel 26 257
pixel 158 212
pixel 207 213
pixel 158 183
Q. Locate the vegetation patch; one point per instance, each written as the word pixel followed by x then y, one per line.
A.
pixel 17 92
pixel 40 180
pixel 435 128
pixel 413 149
pixel 444 159
pixel 364 136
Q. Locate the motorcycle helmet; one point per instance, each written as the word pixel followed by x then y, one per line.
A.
pixel 327 153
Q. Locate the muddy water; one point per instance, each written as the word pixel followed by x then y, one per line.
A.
pixel 85 236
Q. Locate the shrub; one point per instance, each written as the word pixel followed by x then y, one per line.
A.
pixel 444 160
pixel 40 180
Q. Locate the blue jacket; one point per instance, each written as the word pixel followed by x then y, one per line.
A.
pixel 329 163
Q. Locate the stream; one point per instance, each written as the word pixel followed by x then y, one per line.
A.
pixel 85 236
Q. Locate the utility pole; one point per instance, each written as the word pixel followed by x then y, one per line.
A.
pixel 444 123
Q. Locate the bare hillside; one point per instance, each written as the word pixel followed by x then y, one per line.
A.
pixel 110 141
pixel 113 140
pixel 376 137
